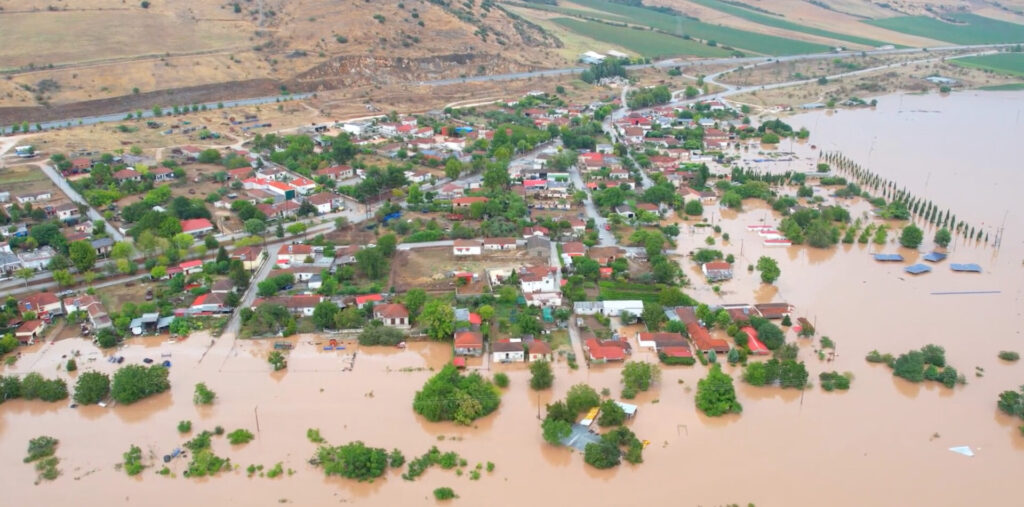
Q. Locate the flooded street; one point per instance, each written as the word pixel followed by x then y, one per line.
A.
pixel 884 442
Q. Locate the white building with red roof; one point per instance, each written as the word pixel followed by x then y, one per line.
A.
pixel 197 227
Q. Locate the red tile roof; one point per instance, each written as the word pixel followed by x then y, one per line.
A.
pixel 195 224
pixel 35 302
pixel 600 350
pixel 390 311
pixel 676 351
pixel 703 340
pixel 469 339
pixel 366 298
pixel 755 345
pixel 539 347
pixel 461 201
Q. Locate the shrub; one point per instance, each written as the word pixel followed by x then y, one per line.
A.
pixel 671 360
pixel 41 447
pixel 275 471
pixel 203 395
pixel 396 458
pixel 353 461
pixel 444 493
pixel 834 380
pixel 277 360
pixel 71 365
pixel 501 380
pixel 184 426
pixel 313 434
pixel 1007 355
pixel 133 461
pixel 240 436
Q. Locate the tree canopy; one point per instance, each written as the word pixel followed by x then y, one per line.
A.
pixel 716 395
pixel 450 396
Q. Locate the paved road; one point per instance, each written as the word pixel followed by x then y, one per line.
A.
pixel 73 194
pixel 604 237
pixel 148 113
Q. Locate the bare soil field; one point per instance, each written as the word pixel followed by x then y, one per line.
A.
pixel 430 268
pixel 23 179
pixel 104 49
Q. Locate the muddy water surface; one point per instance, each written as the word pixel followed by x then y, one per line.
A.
pixel 882 443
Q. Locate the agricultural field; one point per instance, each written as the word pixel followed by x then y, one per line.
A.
pixel 643 42
pixel 680 25
pixel 431 268
pixel 766 20
pixel 24 179
pixel 1003 63
pixel 973 29
pixel 1009 87
pixel 618 291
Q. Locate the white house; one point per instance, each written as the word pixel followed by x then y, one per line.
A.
pixel 541 299
pixel 467 247
pixel 500 244
pixel 537 279
pixel 392 315
pixel 508 352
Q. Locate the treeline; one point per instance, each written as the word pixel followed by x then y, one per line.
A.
pixel 903 204
pixel 611 67
pixel 648 97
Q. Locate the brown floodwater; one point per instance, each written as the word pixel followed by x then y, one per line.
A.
pixel 884 442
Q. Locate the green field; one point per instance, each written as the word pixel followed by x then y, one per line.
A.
pixel 645 42
pixel 681 25
pixel 1003 63
pixel 975 30
pixel 625 291
pixel 764 19
pixel 1009 87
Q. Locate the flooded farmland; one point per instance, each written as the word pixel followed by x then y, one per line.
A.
pixel 884 442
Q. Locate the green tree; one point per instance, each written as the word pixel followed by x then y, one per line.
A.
pixel 541 376
pixel 203 395
pixel 694 208
pixel 353 461
pixel 582 397
pixel 910 366
pixel 82 255
pixel 277 360
pixel 639 375
pixel 769 269
pixel 611 414
pixel 324 314
pixel 91 388
pixel 716 395
pixel 602 455
pixel 943 237
pixel 63 278
pixel 25 274
pixel 911 236
pixel 452 168
pixel 1012 402
pixel 438 318
pixel 450 396
pixel 653 315
pixel 35 387
pixel 414 300
pixel 134 382
pixel 555 430
pixel 386 244
pixel 371 262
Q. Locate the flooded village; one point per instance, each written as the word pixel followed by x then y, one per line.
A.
pixel 557 270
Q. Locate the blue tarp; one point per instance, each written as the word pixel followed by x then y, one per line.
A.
pixel 917 269
pixel 888 257
pixel 935 257
pixel 974 268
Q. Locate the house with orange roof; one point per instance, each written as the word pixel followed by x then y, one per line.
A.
pixel 469 343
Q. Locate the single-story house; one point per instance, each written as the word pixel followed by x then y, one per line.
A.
pixel 467 247
pixel 392 315
pixel 500 244
pixel 540 350
pixel 652 340
pixel 774 310
pixel 703 340
pixel 537 279
pixel 606 350
pixel 542 299
pixel 469 343
pixel 29 331
pixel 717 271
pixel 197 227
pixel 44 304
pixel 465 202
pixel 574 249
pixel 506 351
pixel 364 299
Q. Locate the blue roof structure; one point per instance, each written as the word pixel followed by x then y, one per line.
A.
pixel 580 437
pixel 917 269
pixel 935 257
pixel 972 268
pixel 888 257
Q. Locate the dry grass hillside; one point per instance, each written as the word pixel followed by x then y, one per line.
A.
pixel 58 52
